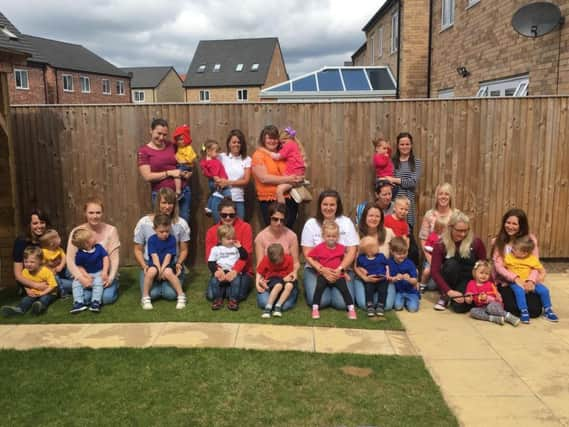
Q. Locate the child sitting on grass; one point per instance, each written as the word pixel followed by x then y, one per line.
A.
pixel 54 258
pixel 403 273
pixel 375 265
pixel 162 250
pixel 221 260
pixel 487 300
pixel 35 299
pixel 272 271
pixel 92 261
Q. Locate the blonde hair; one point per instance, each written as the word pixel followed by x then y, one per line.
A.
pixel 402 199
pixel 444 187
pixel 208 145
pixel 367 241
pixel 448 242
pixel 524 244
pixel 440 223
pixel 225 231
pixel 80 237
pixel 284 135
pixel 47 237
pixel 380 139
pixel 330 225
pixel 30 251
pixel 481 264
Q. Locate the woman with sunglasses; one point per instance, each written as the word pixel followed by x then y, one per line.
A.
pixel 242 268
pixel 277 232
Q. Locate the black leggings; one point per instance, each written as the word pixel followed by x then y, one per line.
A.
pixel 322 283
pixel 372 288
pixel 457 275
pixel 534 303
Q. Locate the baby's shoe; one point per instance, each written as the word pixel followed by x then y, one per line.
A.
pixel 146 303
pixel 181 303
pixel 511 319
pixel 550 315
pixel 524 316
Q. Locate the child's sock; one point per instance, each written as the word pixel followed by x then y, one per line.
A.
pixel 351 307
pixel 269 307
pixel 315 306
pixel 278 305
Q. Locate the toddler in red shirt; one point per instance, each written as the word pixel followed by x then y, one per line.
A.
pixel 326 258
pixel 213 169
pixel 397 221
pixel 382 161
pixel 273 273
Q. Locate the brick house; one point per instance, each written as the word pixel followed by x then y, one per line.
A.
pixel 66 73
pixel 155 84
pixel 234 70
pixel 445 48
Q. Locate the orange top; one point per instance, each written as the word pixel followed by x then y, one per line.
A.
pixel 267 192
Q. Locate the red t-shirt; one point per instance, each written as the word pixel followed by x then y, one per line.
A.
pixel 399 226
pixel 213 167
pixel 328 257
pixel 267 269
pixel 159 161
pixel 290 152
pixel 482 295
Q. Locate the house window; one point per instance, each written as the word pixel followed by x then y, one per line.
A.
pixel 242 95
pixel 201 68
pixel 255 67
pixel 514 86
pixel 216 68
pixel 446 93
pixel 380 42
pixel 472 3
pixel 106 87
pixel 204 95
pixel 85 84
pixel 120 87
pixel 239 67
pixel 447 18
pixel 21 79
pixel 67 83
pixel 138 96
pixel 394 32
pixel 8 33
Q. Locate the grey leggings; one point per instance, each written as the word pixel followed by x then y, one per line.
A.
pixel 492 309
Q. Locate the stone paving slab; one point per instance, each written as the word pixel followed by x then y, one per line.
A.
pixel 271 337
pixel 193 335
pixel 332 340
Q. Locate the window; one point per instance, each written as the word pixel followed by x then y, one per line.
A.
pixel 106 87
pixel 380 42
pixel 242 95
pixel 204 95
pixel 394 32
pixel 85 84
pixel 216 68
pixel 239 67
pixel 67 83
pixel 8 33
pixel 21 79
pixel 446 93
pixel 255 67
pixel 472 3
pixel 514 86
pixel 120 87
pixel 372 53
pixel 201 68
pixel 447 18
pixel 138 96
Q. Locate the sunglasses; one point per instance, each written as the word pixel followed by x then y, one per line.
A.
pixel 276 219
pixel 227 215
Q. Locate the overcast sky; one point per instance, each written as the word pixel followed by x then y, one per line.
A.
pixel 312 33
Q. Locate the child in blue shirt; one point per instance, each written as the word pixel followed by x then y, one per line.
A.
pixel 403 273
pixel 374 263
pixel 92 260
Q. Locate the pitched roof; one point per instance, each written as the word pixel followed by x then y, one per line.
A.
pixel 148 77
pixel 69 56
pixel 359 50
pixel 229 54
pixel 379 14
pixel 11 44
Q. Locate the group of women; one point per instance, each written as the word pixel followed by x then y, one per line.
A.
pixel 452 259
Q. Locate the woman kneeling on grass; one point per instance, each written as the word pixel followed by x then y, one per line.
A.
pixel 144 230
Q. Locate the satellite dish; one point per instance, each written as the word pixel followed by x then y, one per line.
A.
pixel 537 19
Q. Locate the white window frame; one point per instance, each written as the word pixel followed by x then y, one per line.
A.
pixel 255 67
pixel 242 95
pixel 108 84
pixel 239 68
pixel 120 87
pixel 8 33
pixel 138 96
pixel 446 93
pixel 85 83
pixel 394 32
pixel 201 68
pixel 519 85
pixel 27 79
pixel 216 68
pixel 205 95
pixel 371 45
pixel 380 42
pixel 472 3
pixel 447 14
pixel 67 87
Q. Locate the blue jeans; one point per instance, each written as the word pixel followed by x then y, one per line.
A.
pixel 96 289
pixel 360 295
pixel 27 301
pixel 540 290
pixel 215 197
pixel 409 301
pixel 245 283
pixel 64 281
pixel 218 290
pixel 161 288
pixel 240 208
pixel 263 299
pixel 331 297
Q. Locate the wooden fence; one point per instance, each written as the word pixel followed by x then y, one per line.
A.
pixel 498 153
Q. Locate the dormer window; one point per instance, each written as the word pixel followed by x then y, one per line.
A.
pixel 255 67
pixel 216 68
pixel 8 33
pixel 201 68
pixel 239 67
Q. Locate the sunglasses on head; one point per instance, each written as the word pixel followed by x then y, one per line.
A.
pixel 227 215
pixel 277 219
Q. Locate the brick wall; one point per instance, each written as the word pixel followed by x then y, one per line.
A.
pixel 360 59
pixel 96 95
pixel 223 94
pixel 482 40
pixel 170 89
pixel 277 71
pixel 35 94
pixel 387 58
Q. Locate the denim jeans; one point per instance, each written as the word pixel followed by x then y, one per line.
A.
pixel 96 289
pixel 161 288
pixel 360 295
pixel 540 290
pixel 215 198
pixel 219 288
pixel 64 281
pixel 331 297
pixel 408 300
pixel 263 299
pixel 245 283
pixel 240 208
pixel 27 301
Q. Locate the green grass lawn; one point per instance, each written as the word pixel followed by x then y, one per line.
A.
pixel 127 309
pixel 209 387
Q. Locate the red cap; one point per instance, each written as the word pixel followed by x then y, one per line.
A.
pixel 184 132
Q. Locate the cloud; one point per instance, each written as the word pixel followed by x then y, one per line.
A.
pixel 312 33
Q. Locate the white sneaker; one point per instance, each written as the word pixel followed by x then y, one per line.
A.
pixel 181 302
pixel 441 305
pixel 146 303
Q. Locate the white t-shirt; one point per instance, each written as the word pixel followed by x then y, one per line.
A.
pixel 145 229
pixel 235 168
pixel 224 257
pixel 312 233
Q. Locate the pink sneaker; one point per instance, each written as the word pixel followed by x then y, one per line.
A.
pixel 352 315
pixel 315 313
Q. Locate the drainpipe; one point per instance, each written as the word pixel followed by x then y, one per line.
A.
pixel 45 89
pixel 429 53
pixel 398 44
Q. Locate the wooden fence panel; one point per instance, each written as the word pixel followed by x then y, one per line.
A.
pixel 498 153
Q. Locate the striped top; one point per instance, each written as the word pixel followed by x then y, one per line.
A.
pixel 409 181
